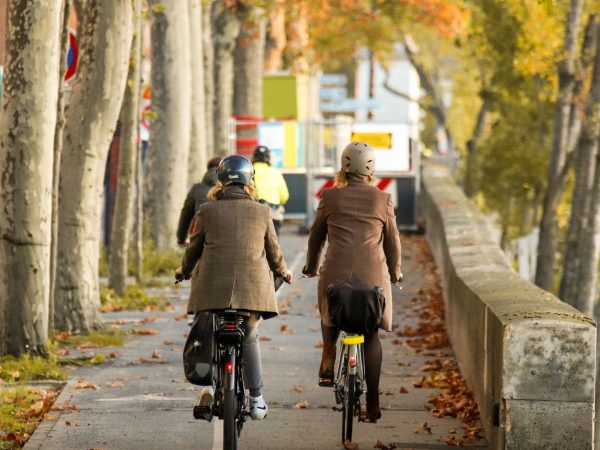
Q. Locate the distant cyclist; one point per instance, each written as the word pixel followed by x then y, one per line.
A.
pixel 197 196
pixel 364 245
pixel 270 184
pixel 231 255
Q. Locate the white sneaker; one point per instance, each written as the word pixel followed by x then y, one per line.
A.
pixel 203 408
pixel 258 408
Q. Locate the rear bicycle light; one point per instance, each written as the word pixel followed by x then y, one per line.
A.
pixel 228 367
pixel 352 361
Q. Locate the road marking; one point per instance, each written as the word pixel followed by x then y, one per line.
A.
pixel 144 398
pixel 218 435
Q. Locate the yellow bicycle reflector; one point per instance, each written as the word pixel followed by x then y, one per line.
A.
pixel 353 340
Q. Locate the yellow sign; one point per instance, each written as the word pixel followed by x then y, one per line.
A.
pixel 375 140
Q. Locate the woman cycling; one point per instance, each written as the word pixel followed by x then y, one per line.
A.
pixel 364 245
pixel 232 252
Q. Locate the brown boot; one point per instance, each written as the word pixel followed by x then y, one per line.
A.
pixel 327 366
pixel 373 411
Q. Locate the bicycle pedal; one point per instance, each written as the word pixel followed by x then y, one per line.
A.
pixel 203 413
pixel 326 382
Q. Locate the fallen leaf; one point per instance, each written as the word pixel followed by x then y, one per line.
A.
pixel 265 339
pixel 168 342
pixel 302 405
pixel 383 446
pixel 453 440
pixel 183 316
pixel 424 428
pixel 319 345
pixel 83 384
pixel 156 355
pixel 284 329
pixel 113 355
pixel 144 332
pixel 403 390
pixel 277 349
pixel 117 384
pixel 349 445
pixel 298 389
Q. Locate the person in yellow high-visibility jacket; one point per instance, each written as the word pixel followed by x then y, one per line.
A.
pixel 271 187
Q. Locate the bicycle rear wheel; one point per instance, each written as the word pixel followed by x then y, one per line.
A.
pixel 230 432
pixel 348 409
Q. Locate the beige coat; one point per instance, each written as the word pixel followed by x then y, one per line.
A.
pixel 232 255
pixel 364 243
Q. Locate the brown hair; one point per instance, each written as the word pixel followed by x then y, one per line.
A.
pixel 341 179
pixel 249 189
pixel 213 162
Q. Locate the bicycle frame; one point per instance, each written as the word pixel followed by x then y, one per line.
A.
pixel 349 381
pixel 230 400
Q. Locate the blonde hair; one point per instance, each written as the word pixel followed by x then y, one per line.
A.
pixel 341 179
pixel 249 189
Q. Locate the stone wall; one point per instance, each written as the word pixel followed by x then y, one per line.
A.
pixel 528 357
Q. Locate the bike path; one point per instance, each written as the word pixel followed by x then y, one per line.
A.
pixel 143 401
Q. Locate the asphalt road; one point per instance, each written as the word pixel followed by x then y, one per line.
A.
pixel 144 402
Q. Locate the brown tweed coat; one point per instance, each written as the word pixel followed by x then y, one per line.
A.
pixel 364 243
pixel 232 256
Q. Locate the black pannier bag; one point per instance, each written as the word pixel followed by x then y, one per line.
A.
pixel 198 352
pixel 355 307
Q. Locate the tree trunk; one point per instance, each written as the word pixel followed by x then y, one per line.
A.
pixel 276 38
pixel 438 108
pixel 27 124
pixel 472 144
pixel 226 26
pixel 198 153
pixel 91 118
pixel 209 81
pixel 547 246
pixel 580 267
pixel 58 143
pixel 169 145
pixel 122 221
pixel 249 65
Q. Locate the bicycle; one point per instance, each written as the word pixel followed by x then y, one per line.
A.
pixel 349 381
pixel 230 403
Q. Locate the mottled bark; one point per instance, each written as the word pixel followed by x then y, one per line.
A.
pixel 58 143
pixel 547 246
pixel 169 144
pixel 580 266
pixel 209 80
pixel 198 150
pixel 91 117
pixel 249 67
pixel 276 38
pixel 122 221
pixel 27 122
pixel 226 26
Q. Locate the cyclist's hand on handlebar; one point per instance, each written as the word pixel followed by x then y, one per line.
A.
pixel 179 276
pixel 288 278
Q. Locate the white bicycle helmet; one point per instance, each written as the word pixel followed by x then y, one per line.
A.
pixel 358 158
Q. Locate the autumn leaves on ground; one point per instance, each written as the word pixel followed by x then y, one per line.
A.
pixel 420 331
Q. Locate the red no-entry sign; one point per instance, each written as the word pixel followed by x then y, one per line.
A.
pixel 72 57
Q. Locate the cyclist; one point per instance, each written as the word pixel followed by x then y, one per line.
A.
pixel 364 245
pixel 270 184
pixel 232 252
pixel 196 197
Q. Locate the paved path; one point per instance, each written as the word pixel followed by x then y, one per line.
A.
pixel 148 404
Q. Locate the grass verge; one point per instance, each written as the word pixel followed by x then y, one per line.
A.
pixel 22 408
pixel 134 299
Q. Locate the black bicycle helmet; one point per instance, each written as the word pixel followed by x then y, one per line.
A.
pixel 261 154
pixel 235 169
